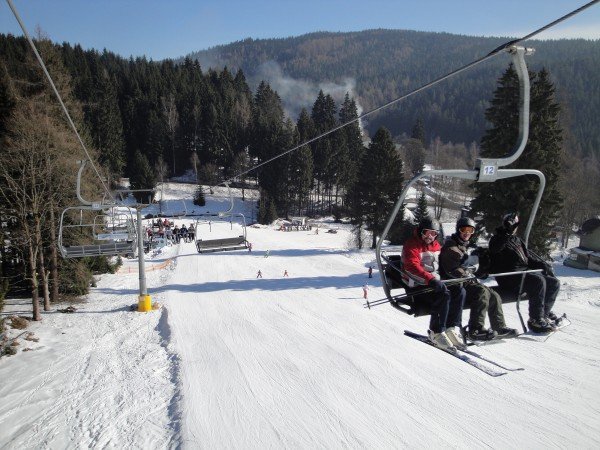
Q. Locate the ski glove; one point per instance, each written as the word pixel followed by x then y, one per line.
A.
pixel 549 271
pixel 437 285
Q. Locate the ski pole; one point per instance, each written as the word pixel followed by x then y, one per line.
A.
pixel 425 290
pixel 519 272
pixel 519 301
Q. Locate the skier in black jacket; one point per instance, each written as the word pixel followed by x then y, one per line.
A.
pixel 454 259
pixel 509 254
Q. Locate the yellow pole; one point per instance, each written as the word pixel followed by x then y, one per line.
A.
pixel 144 303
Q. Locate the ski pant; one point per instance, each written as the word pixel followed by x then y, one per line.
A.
pixel 446 307
pixel 541 291
pixel 484 300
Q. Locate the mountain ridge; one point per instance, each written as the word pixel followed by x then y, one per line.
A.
pixel 383 64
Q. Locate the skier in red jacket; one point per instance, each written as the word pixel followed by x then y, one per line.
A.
pixel 419 262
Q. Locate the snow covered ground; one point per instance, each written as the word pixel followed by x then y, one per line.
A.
pixel 232 361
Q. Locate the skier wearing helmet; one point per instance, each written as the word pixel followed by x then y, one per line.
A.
pixel 419 262
pixel 455 263
pixel 510 254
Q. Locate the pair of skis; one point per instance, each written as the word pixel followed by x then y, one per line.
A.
pixel 543 337
pixel 481 362
pixel 472 358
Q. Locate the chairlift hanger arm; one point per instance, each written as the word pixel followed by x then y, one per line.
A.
pixel 488 167
pixel 510 173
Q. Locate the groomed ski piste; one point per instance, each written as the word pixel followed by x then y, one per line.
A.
pixel 232 361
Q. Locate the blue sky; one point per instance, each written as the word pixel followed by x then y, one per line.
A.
pixel 171 28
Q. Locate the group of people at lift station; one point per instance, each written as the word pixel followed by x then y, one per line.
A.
pixel 164 228
pixel 422 254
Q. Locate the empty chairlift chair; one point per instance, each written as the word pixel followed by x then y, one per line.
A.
pixel 205 243
pixel 97 230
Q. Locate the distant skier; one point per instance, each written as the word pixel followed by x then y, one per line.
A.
pixel 250 247
pixel 285 273
pixel 267 254
pixel 259 274
pixel 370 272
pixel 365 290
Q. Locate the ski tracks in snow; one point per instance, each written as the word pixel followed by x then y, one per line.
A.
pixel 120 394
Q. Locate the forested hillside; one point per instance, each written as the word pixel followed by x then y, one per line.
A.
pixel 385 64
pixel 153 120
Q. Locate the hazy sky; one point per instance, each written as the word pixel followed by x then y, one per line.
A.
pixel 171 28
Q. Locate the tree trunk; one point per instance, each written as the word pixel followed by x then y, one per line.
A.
pixel 45 275
pixel 53 258
pixel 34 283
pixel 358 231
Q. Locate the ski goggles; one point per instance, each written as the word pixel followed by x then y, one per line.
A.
pixel 429 233
pixel 467 230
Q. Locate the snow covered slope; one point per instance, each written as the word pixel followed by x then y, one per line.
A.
pixel 232 361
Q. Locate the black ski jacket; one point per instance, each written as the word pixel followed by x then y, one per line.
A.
pixel 452 256
pixel 508 252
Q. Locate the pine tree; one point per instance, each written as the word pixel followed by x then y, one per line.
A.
pixel 324 150
pixel 107 125
pixel 301 164
pixel 421 211
pixel 353 142
pixel 271 134
pixel 418 132
pixel 267 212
pixel 143 177
pixel 7 100
pixel 542 153
pixel 379 184
pixel 199 198
pixel 415 155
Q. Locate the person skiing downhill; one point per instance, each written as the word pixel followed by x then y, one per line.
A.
pixel 419 262
pixel 259 274
pixel 365 289
pixel 370 272
pixel 285 273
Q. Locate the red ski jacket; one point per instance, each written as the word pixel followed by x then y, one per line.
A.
pixel 419 261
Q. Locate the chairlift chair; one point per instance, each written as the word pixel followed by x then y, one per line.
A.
pixel 107 228
pixel 104 231
pixel 204 245
pixel 486 170
pixel 221 244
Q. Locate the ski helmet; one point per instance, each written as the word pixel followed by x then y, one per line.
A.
pixel 465 222
pixel 428 224
pixel 510 221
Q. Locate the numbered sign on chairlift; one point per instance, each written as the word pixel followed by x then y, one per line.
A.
pixel 488 170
